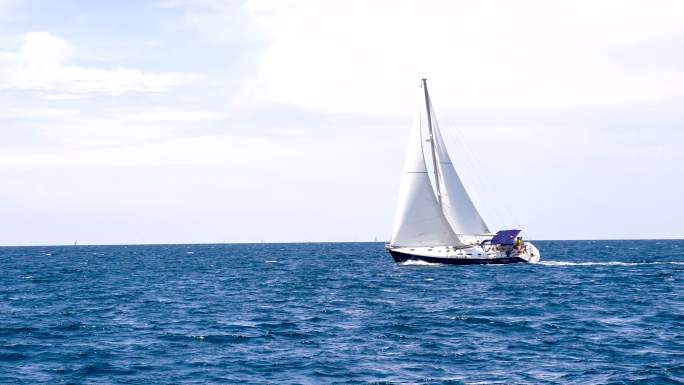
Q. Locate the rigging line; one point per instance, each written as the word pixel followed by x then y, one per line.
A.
pixel 511 216
pixel 475 180
pixel 474 174
pixel 504 215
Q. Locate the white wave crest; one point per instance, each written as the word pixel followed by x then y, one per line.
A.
pixel 413 262
pixel 607 263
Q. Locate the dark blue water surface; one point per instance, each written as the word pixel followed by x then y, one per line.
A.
pixel 592 312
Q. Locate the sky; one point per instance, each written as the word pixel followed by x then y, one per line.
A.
pixel 281 121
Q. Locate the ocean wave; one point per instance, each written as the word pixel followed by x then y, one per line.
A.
pixel 608 263
pixel 339 313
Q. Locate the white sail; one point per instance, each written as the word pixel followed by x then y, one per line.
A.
pixel 457 206
pixel 419 220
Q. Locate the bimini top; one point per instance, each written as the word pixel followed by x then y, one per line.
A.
pixel 505 237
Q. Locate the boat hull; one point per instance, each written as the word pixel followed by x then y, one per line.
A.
pixel 400 257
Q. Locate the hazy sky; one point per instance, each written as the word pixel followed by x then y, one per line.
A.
pixel 212 121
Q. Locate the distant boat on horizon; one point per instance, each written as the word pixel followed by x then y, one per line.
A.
pixel 436 221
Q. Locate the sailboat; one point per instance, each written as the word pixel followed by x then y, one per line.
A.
pixel 436 221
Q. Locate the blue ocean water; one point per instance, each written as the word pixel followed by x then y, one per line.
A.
pixel 593 312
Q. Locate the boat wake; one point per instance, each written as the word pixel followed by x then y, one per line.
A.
pixel 608 263
pixel 413 262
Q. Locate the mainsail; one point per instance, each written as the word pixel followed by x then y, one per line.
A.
pixel 422 218
pixel 419 219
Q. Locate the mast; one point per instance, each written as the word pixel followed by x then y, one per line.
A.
pixel 432 141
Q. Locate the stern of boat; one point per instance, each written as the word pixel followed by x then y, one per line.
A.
pixel 531 254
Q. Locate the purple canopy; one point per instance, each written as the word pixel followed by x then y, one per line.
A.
pixel 505 237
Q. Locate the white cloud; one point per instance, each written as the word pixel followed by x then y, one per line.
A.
pixel 36 113
pixel 217 21
pixel 44 64
pixel 158 114
pixel 4 6
pixel 207 151
pixel 367 57
pixel 86 131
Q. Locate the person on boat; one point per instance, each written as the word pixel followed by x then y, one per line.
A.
pixel 519 243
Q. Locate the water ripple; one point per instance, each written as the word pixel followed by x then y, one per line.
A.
pixel 591 312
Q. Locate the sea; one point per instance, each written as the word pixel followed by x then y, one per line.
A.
pixel 592 312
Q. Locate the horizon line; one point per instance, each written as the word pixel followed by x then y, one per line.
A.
pixel 314 242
